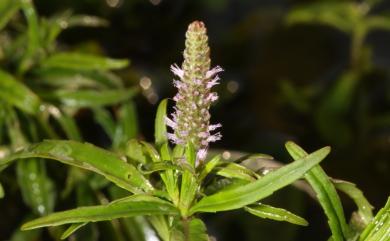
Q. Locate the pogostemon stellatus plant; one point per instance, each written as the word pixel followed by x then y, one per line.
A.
pixel 171 185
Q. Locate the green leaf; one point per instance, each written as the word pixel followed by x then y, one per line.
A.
pixel 127 127
pixel 160 224
pixel 37 188
pixel 278 214
pixel 104 118
pixel 86 156
pixel 137 205
pixel 151 151
pixel 210 165
pixel 78 61
pixel 90 98
pixel 326 194
pixel 188 190
pixel 8 8
pixel 72 228
pixel 234 170
pixel 190 154
pixel 67 123
pixel 33 36
pixel 1 191
pixel 381 22
pixel 338 14
pixel 160 128
pixel 364 207
pixel 189 230
pixel 379 228
pixel 73 79
pixel 17 94
pixel 134 151
pixel 241 196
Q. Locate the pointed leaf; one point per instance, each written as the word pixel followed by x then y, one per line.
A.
pixel 278 214
pixel 160 128
pixel 88 157
pixel 134 151
pixel 15 93
pixel 326 194
pixel 243 195
pixel 233 170
pixel 364 207
pixel 210 165
pixel 137 205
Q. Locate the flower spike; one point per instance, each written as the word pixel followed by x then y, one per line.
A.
pixel 191 120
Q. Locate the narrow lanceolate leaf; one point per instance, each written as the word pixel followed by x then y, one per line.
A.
pixel 90 98
pixel 83 62
pixel 72 228
pixel 278 214
pixel 188 190
pixel 364 207
pixel 160 128
pixel 15 93
pixel 137 205
pixel 37 189
pixel 210 165
pixel 379 228
pixel 7 9
pixel 241 196
pixel 234 170
pixel 33 36
pixel 88 157
pixel 326 194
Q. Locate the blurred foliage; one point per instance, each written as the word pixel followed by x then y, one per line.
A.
pixel 43 88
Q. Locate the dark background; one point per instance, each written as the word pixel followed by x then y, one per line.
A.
pixel 259 52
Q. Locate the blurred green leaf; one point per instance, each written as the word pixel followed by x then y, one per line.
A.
pixel 160 128
pixel 17 94
pixel 104 118
pixel 73 79
pixel 326 194
pixel 78 61
pixel 137 205
pixel 1 191
pixel 243 195
pixel 7 10
pixel 342 15
pixel 30 235
pixel 33 36
pixel 189 230
pixel 278 214
pixel 67 123
pixel 88 157
pixel 379 228
pixel 134 151
pixel 160 224
pixel 378 22
pixel 90 98
pixel 127 126
pixel 36 187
